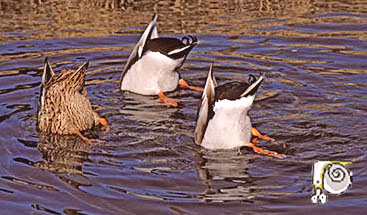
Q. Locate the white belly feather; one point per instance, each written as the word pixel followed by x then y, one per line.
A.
pixel 152 73
pixel 231 126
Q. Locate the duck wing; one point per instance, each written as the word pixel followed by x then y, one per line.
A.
pixel 150 32
pixel 205 106
pixel 47 74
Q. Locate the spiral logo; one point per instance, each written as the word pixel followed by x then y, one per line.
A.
pixel 332 176
pixel 337 178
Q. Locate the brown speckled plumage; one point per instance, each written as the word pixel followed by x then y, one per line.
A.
pixel 64 106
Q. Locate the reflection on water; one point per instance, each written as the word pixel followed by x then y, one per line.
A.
pixel 312 102
pixel 213 167
pixel 146 109
pixel 218 165
pixel 62 154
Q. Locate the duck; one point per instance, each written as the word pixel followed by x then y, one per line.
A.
pixel 151 68
pixel 63 105
pixel 223 120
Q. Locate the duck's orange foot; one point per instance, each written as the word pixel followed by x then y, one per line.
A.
pixel 183 83
pixel 104 124
pixel 265 151
pixel 256 133
pixel 170 102
pixel 87 140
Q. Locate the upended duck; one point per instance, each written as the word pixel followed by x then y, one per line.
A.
pixel 152 66
pixel 63 105
pixel 222 118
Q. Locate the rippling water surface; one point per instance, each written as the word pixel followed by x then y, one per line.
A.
pixel 313 102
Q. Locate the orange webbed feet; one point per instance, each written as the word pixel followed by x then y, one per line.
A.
pixel 183 83
pixel 265 151
pixel 170 102
pixel 104 123
pixel 256 133
pixel 87 140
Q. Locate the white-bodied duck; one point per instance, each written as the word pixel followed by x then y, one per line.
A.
pixel 152 66
pixel 222 119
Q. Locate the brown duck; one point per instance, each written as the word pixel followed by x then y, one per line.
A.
pixel 63 105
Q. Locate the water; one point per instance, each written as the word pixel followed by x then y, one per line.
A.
pixel 313 102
